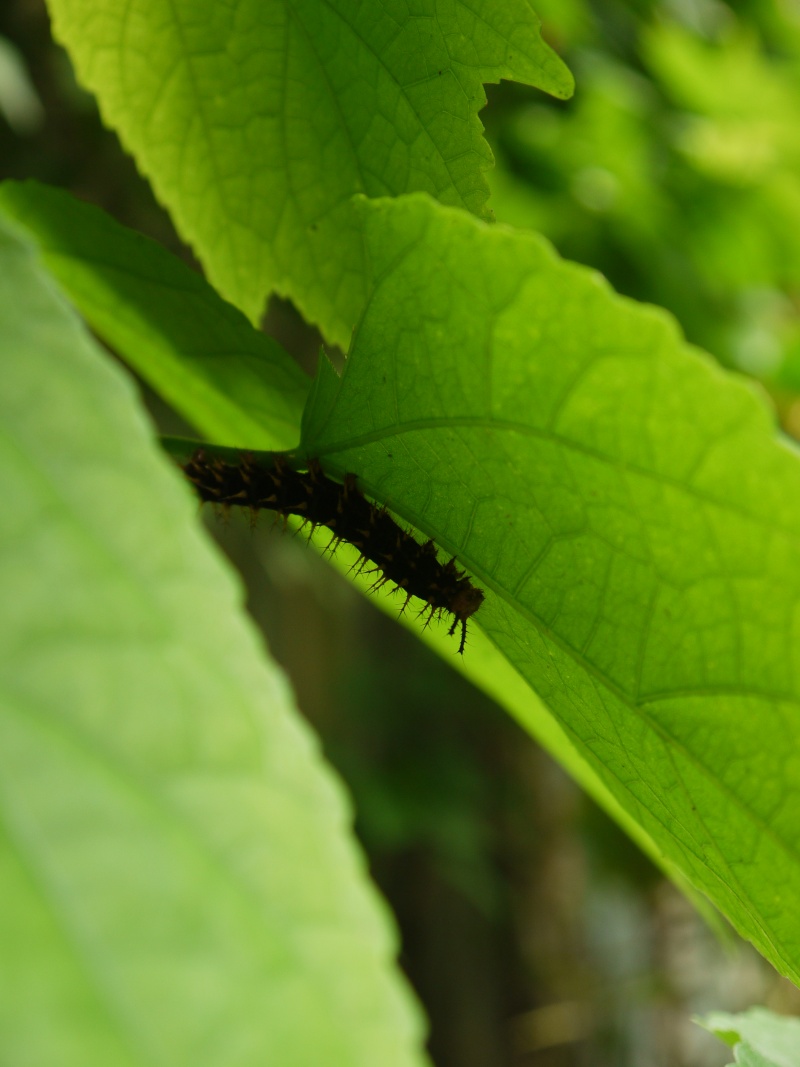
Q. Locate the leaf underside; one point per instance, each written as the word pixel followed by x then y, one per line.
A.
pixel 196 351
pixel 631 514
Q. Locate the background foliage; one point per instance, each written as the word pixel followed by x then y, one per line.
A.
pixel 674 169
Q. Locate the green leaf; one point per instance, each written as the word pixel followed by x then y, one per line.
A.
pixel 178 877
pixel 199 353
pixel 759 1037
pixel 230 399
pixel 257 121
pixel 629 511
pixel 746 1056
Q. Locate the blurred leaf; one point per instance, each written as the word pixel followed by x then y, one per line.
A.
pixel 736 128
pixel 166 321
pixel 256 122
pixel 727 79
pixel 19 101
pixel 178 879
pixel 746 1056
pixel 759 1037
pixel 630 513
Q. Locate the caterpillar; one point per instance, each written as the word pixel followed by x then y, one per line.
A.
pixel 412 566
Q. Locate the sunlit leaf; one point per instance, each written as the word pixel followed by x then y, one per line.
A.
pixel 257 121
pixel 630 513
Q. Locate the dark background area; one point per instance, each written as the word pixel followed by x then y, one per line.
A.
pixel 534 932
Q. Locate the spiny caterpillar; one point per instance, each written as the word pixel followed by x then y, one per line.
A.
pixel 346 512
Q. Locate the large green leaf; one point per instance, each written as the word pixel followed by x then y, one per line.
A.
pixel 256 121
pixel 198 352
pixel 178 881
pixel 232 395
pixel 631 514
